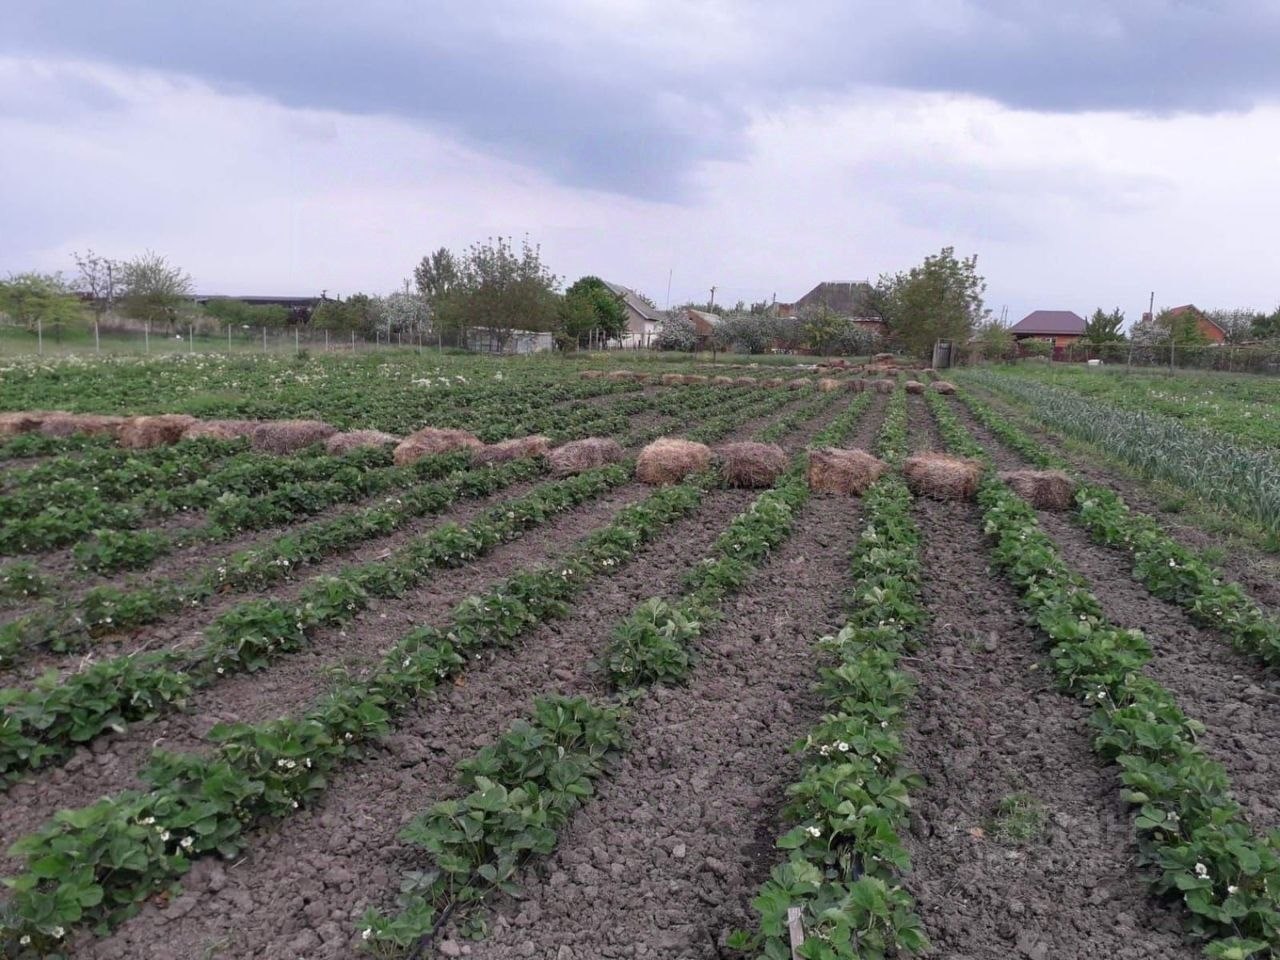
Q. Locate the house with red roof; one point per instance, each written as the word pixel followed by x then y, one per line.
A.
pixel 1059 328
pixel 1209 328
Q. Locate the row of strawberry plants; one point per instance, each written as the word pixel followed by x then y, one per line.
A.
pixel 478 842
pixel 849 805
pixel 49 720
pixel 29 445
pixel 1191 830
pixel 108 609
pixel 1169 570
pixel 95 865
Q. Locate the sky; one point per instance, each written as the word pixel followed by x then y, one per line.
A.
pixel 1088 153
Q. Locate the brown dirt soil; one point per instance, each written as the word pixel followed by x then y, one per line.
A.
pixel 986 723
pixel 1231 693
pixel 1257 572
pixel 302 884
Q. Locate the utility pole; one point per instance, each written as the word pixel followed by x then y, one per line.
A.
pixel 669 272
pixel 712 302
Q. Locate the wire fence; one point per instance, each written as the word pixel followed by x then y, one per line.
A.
pixel 1230 358
pixel 20 341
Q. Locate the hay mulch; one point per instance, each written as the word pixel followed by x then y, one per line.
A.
pixel 772 383
pixel 828 384
pixel 744 381
pixel 751 465
pixel 942 476
pixel 220 429
pixel 430 441
pixel 671 379
pixel 722 381
pixel 943 386
pixel 70 424
pixel 23 421
pixel 288 436
pixel 799 383
pixel 1043 489
pixel 670 461
pixel 843 471
pixel 517 448
pixel 341 443
pixel 914 386
pixel 142 433
pixel 591 375
pixel 856 385
pixel 579 455
pixel 883 386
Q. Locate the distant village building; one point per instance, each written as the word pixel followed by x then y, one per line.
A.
pixel 643 319
pixel 1207 327
pixel 704 326
pixel 848 299
pixel 1059 328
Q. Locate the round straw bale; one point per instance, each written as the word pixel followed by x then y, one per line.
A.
pixel 751 464
pixel 286 436
pixel 883 358
pixel 744 381
pixel 430 441
pixel 1043 489
pixel 220 429
pixel 341 443
pixel 834 470
pixel 772 383
pixel 828 384
pixel 579 455
pixel 20 421
pixel 670 461
pixel 671 379
pixel 694 378
pixel 883 386
pixel 590 374
pixel 799 383
pixel 914 386
pixel 69 424
pixel 624 375
pixel 856 385
pixel 943 386
pixel 141 433
pixel 517 448
pixel 942 476
pixel 722 381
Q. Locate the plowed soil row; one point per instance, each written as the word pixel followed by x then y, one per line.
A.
pixel 1231 693
pixel 986 724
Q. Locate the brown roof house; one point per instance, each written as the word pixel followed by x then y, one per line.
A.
pixel 1058 327
pixel 643 319
pixel 851 299
pixel 1213 333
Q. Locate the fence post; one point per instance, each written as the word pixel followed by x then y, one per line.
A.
pixel 326 341
pixel 296 349
pixel 39 338
pixel 97 340
pixel 228 339
pixel 264 339
pixel 191 338
pixel 146 336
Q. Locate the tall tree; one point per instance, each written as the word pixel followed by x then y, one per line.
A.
pixel 39 300
pixel 1237 325
pixel 501 289
pixel 1104 327
pixel 154 289
pixel 940 299
pixel 1182 325
pixel 100 278
pixel 1267 326
pixel 588 307
pixel 436 275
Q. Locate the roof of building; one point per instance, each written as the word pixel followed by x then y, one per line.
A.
pixel 1063 322
pixel 634 301
pixel 1192 308
pixel 704 323
pixel 844 297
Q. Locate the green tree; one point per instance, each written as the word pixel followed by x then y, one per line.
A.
pixel 1104 327
pixel 677 333
pixel 39 300
pixel 1183 326
pixel 822 328
pixel 100 278
pixel 1237 325
pixel 748 332
pixel 1267 326
pixel 939 300
pixel 994 341
pixel 500 289
pixel 154 289
pixel 359 313
pixel 237 313
pixel 589 305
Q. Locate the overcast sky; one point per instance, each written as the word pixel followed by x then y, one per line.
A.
pixel 1087 152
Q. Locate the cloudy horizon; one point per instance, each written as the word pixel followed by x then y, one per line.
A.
pixel 1087 155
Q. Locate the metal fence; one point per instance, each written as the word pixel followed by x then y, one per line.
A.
pixel 1241 358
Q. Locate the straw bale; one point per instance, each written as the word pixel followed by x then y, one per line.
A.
pixel 751 465
pixel 670 461
pixel 1043 489
pixel 828 384
pixel 843 471
pixel 220 429
pixel 914 386
pixel 69 424
pixel 883 386
pixel 517 448
pixel 943 386
pixel 141 433
pixel 942 476
pixel 287 436
pixel 430 441
pixel 341 443
pixel 579 455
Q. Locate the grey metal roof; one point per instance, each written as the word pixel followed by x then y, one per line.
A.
pixel 634 301
pixel 1050 321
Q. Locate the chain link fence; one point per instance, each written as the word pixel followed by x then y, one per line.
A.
pixel 1230 358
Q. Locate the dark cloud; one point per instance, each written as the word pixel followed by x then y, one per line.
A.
pixel 602 104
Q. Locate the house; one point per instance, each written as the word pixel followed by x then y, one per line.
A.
pixel 704 326
pixel 850 299
pixel 1213 333
pixel 643 319
pixel 1059 328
